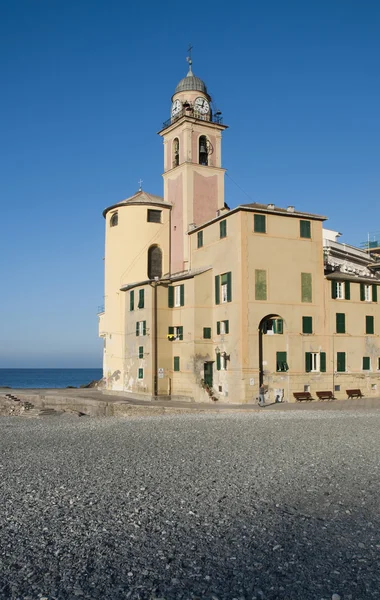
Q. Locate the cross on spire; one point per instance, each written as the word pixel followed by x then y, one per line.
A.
pixel 189 59
pixel 140 182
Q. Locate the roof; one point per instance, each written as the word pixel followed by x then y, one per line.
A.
pixel 190 82
pixel 140 197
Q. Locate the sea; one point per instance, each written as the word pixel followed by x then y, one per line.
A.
pixel 48 378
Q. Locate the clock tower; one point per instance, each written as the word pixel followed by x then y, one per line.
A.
pixel 193 174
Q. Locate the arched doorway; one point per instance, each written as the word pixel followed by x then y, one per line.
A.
pixel 270 325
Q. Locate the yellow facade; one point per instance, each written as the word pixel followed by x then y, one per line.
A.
pixel 230 300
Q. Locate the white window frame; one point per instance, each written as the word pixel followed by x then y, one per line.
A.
pixel 367 293
pixel 224 293
pixel 315 362
pixel 222 328
pixel 340 290
pixel 223 361
pixel 141 328
pixel 176 332
pixel 177 296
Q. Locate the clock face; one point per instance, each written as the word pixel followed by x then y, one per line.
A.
pixel 202 106
pixel 176 107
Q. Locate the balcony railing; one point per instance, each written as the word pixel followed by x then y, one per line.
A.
pixel 217 118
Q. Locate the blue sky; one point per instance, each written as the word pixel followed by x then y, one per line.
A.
pixel 85 86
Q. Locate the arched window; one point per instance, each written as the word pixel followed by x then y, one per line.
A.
pixel 114 220
pixel 154 262
pixel 203 152
pixel 175 152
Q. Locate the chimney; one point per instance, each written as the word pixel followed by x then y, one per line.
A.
pixel 270 206
pixel 290 209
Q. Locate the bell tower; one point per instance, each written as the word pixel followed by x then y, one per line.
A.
pixel 193 174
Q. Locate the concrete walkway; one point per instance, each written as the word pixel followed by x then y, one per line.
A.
pixel 97 403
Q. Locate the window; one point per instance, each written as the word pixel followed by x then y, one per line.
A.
pixel 378 364
pixel 114 220
pixel 368 293
pixel 175 152
pixel 140 374
pixel 175 333
pixel 341 362
pixel 340 323
pixel 340 290
pixel 260 284
pixel 306 287
pixel 200 239
pixel 203 151
pixel 140 328
pixel 132 300
pixel 154 262
pixel 366 363
pixel 154 216
pixel 273 326
pixel 141 299
pixel 315 362
pixel 222 327
pixel 223 229
pixel 259 224
pixel 141 351
pixel 305 229
pixel 176 296
pixel 281 362
pixel 207 333
pixel 223 288
pixel 369 324
pixel 307 324
pixel 221 361
pixel 176 363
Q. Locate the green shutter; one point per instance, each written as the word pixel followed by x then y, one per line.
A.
pixel 259 224
pixel 170 330
pixel 176 363
pixel 227 326
pixel 362 292
pixel 217 289
pixel 334 289
pixel 307 324
pixel 347 290
pixel 223 228
pixel 207 333
pixel 374 292
pixel 141 299
pixel 366 363
pixel 218 361
pixel 340 323
pixel 200 239
pixel 305 229
pixel 229 286
pixel 141 374
pixel 137 328
pixel 144 327
pixel 260 284
pixel 182 294
pixel 369 324
pixel 180 333
pixel 170 297
pixel 307 362
pixel 322 362
pixel 306 287
pixel 341 362
pixel 131 300
pixel 281 361
pixel 278 326
pixel 141 351
pixel 218 327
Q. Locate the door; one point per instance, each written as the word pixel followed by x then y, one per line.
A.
pixel 208 373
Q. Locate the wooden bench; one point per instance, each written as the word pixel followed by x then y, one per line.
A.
pixel 354 394
pixel 325 395
pixel 299 396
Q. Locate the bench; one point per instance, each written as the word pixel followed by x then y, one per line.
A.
pixel 325 395
pixel 354 394
pixel 299 396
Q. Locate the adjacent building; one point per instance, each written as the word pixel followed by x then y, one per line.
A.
pixel 210 303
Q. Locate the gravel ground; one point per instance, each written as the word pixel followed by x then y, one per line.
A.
pixel 238 506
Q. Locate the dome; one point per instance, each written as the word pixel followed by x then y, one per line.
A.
pixel 190 82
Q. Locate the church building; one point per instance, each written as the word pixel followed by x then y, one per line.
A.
pixel 207 303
